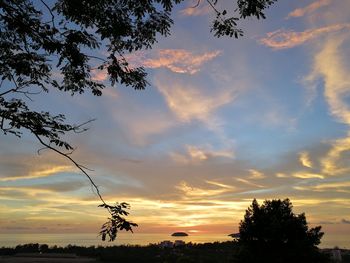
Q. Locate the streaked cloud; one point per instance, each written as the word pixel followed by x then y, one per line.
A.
pixel 247 182
pixel 201 192
pixel 336 90
pixel 283 39
pixel 305 175
pixel 42 172
pixel 329 186
pixel 189 102
pixel 331 162
pixel 299 12
pixel 176 60
pixel 194 154
pixel 254 174
pixel 337 79
pixel 304 159
pixel 281 175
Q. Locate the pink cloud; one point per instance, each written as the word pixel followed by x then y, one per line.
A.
pixel 282 39
pixel 195 11
pixel 176 60
pixel 99 75
pixel 299 12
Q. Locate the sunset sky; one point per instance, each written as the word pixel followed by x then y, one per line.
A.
pixel 223 121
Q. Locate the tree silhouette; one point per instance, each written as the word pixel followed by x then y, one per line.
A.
pixel 39 42
pixel 271 232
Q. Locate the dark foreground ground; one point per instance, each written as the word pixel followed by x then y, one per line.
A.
pixel 47 258
pixel 189 253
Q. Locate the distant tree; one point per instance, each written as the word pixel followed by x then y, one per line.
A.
pixel 271 232
pixel 40 40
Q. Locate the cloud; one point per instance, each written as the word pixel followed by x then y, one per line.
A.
pixel 304 159
pixel 201 192
pixel 281 175
pixel 176 60
pixel 254 174
pixel 282 39
pixel 194 154
pixel 299 12
pixel 41 172
pixel 195 11
pixel 189 103
pixel 304 175
pixel 326 187
pixel 331 162
pixel 247 182
pixel 336 78
pixel 99 75
pixel 336 89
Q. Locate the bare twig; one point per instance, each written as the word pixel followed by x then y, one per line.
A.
pixel 196 5
pixel 49 9
pixel 8 91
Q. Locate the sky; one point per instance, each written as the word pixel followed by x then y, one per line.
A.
pixel 222 122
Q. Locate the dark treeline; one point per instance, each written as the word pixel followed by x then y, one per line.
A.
pixel 208 252
pixel 217 252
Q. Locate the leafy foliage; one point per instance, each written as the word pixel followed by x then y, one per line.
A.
pixel 45 48
pixel 271 232
pixel 116 221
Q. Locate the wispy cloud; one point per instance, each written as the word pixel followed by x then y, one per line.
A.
pixel 299 12
pixel 201 192
pixel 176 60
pixel 254 174
pixel 304 175
pixel 189 103
pixel 304 159
pixel 195 10
pixel 99 75
pixel 331 162
pixel 194 154
pixel 336 89
pixel 326 186
pixel 281 175
pixel 282 39
pixel 247 182
pixel 42 172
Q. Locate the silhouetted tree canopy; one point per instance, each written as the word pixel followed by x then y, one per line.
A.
pixel 40 40
pixel 271 232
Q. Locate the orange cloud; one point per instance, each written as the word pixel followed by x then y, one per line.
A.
pixel 299 12
pixel 282 39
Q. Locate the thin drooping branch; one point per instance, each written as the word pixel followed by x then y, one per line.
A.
pixel 116 221
pixel 79 166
